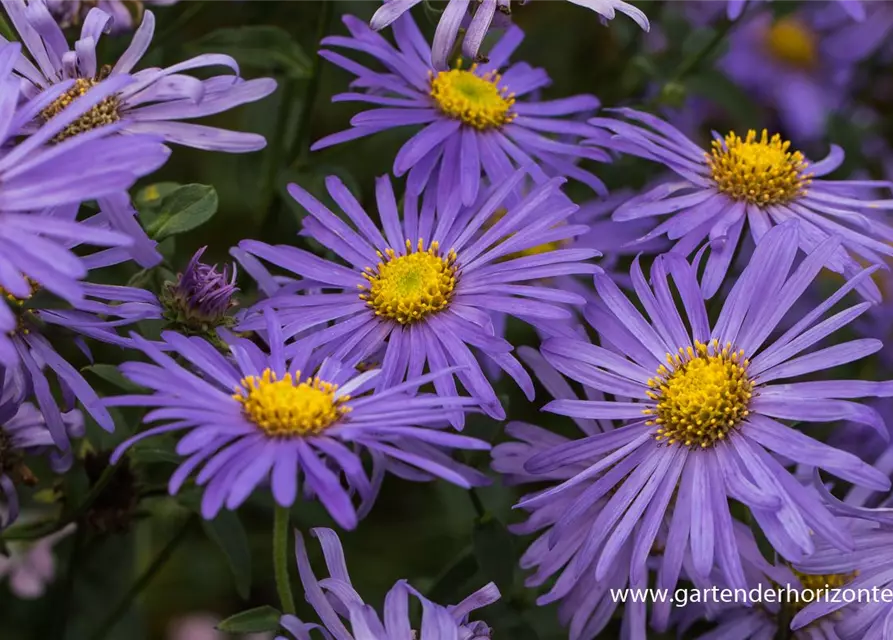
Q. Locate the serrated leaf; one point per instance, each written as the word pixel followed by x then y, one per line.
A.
pixel 112 375
pixel 229 534
pixel 265 48
pixel 183 209
pixel 257 620
pixel 494 550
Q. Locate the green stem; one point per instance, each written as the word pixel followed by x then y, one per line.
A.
pixel 693 61
pixel 143 581
pixel 477 503
pixel 281 559
pixel 302 138
pixel 46 528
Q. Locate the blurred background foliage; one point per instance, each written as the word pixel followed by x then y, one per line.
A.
pixel 444 540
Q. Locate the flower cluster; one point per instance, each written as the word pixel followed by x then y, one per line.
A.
pixel 703 308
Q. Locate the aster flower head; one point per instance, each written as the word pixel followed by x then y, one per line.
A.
pixel 338 604
pixel 263 419
pixel 865 570
pixel 475 119
pixel 802 64
pixel 477 18
pixel 756 179
pixel 425 290
pixel 702 420
pixel 200 298
pixel 151 101
pixel 24 432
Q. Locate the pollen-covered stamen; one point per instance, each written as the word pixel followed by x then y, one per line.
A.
pixel 816 587
pixel 18 306
pixel 409 287
pixel 792 42
pixel 289 407
pixel 761 171
pixel 700 395
pixel 104 113
pixel 476 100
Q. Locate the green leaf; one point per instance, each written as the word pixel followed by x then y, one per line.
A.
pixel 229 534
pixel 182 210
pixel 454 579
pixel 257 620
pixel 494 550
pixel 112 375
pixel 265 48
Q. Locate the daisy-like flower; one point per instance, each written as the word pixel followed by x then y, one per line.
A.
pixel 474 120
pixel 476 18
pixel 125 13
pixel 756 180
pixel 703 418
pixel 50 179
pixel 866 571
pixel 260 419
pixel 337 603
pixel 427 287
pixel 801 64
pixel 24 432
pixel 154 101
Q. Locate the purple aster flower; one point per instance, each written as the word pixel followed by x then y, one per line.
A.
pixel 154 101
pixel 768 618
pixel 428 286
pixel 701 407
pixel 337 603
pixel 31 567
pixel 866 570
pixel 201 297
pixel 801 64
pixel 52 179
pixel 24 432
pixel 756 180
pixel 125 13
pixel 476 18
pixel 256 419
pixel 474 119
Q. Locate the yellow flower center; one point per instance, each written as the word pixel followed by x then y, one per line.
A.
pixel 17 305
pixel 759 171
pixel 476 100
pixel 792 42
pixel 409 287
pixel 104 113
pixel 817 586
pixel 701 394
pixel 289 407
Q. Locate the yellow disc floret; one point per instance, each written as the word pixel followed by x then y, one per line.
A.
pixel 818 587
pixel 761 171
pixel 701 394
pixel 476 100
pixel 793 43
pixel 104 113
pixel 288 407
pixel 409 287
